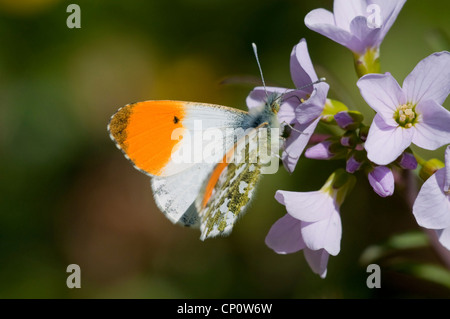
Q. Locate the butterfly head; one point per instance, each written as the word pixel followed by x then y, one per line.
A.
pixel 273 103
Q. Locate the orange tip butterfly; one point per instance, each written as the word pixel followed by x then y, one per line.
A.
pixel 204 159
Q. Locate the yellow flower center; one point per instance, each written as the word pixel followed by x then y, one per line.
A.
pixel 405 115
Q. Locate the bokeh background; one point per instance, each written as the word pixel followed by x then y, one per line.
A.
pixel 68 196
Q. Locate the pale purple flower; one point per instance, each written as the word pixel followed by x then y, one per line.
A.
pixel 432 206
pixel 356 24
pixel 313 222
pixel 301 108
pixel 412 114
pixel 382 181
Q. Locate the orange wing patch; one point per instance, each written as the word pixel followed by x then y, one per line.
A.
pixel 143 131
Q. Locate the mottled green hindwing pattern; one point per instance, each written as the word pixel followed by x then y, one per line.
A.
pixel 233 190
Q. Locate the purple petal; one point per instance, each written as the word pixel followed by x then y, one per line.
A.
pixel 343 119
pixel 364 37
pixel 290 103
pixel 430 79
pixel 258 96
pixel 346 10
pixel 433 127
pixel 432 205
pixel 284 236
pixel 447 170
pixel 310 109
pixel 318 261
pixel 382 181
pixel 322 21
pixel 307 206
pixel 320 151
pixel 296 143
pixel 444 237
pixel 325 234
pixel 389 10
pixel 383 94
pixel 302 70
pixel 385 143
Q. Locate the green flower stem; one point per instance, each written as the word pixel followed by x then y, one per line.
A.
pixel 419 159
pixel 368 62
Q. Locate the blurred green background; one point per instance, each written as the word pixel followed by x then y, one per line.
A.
pixel 68 196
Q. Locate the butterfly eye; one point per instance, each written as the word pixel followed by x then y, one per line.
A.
pixel 275 107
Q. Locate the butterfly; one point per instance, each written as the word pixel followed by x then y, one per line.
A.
pixel 207 182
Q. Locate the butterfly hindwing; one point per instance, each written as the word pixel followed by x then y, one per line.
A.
pixel 175 195
pixel 230 187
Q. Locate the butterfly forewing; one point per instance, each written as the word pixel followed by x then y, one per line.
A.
pixel 153 134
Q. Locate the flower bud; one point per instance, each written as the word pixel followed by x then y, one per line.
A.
pixel 429 168
pixel 319 151
pixel 326 150
pixel 331 108
pixel 407 160
pixel 348 140
pixel 363 133
pixel 348 120
pixel 353 164
pixel 382 181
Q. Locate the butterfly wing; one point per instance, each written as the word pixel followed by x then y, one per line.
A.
pixel 144 132
pixel 175 195
pixel 230 186
pixel 152 134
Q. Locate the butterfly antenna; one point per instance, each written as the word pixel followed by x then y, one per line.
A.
pixel 255 50
pixel 312 83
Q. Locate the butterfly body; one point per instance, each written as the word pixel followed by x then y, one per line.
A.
pixel 208 191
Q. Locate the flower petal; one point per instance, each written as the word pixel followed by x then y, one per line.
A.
pixel 385 143
pixel 364 37
pixel 322 21
pixel 432 206
pixel 444 237
pixel 320 151
pixel 302 70
pixel 346 10
pixel 325 233
pixel 318 261
pixel 296 143
pixel 389 10
pixel 284 236
pixel 383 94
pixel 447 170
pixel 430 79
pixel 258 95
pixel 307 206
pixel 289 103
pixel 433 127
pixel 310 109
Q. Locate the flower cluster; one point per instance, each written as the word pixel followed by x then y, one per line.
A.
pixel 410 114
